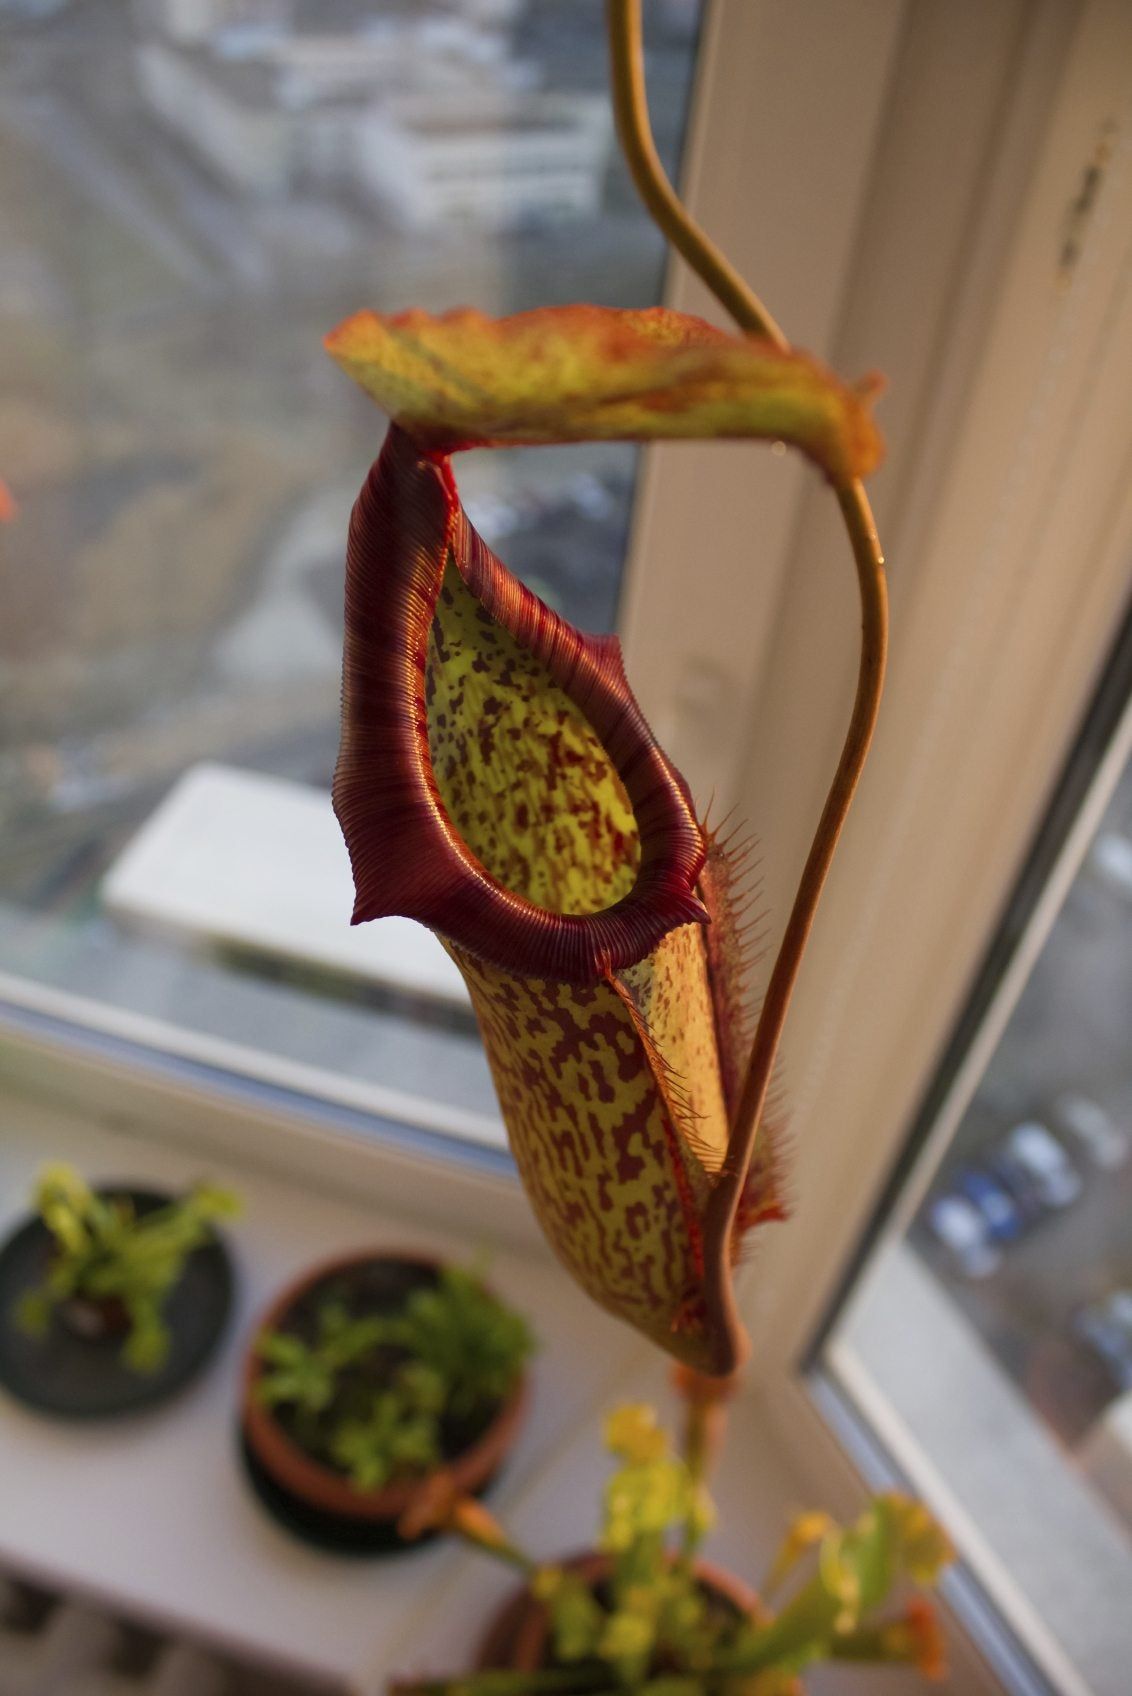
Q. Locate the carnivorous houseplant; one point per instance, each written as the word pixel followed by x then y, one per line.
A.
pixel 498 782
pixel 651 1625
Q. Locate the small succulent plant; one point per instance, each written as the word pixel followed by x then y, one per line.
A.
pixel 111 1259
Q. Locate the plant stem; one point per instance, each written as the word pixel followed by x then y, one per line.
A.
pixel 724 1200
pixel 705 1403
pixel 631 112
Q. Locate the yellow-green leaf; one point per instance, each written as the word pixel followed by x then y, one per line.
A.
pixel 592 373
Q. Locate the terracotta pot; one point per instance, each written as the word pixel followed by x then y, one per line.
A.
pixel 519 1635
pixel 320 1487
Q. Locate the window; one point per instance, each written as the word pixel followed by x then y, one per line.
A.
pixel 943 192
pixel 979 1377
pixel 990 1335
pixel 195 192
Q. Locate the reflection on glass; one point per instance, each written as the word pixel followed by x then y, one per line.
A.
pixel 193 192
pixel 991 1342
pixel 1028 1222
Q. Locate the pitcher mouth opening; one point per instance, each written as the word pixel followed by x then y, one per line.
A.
pixel 497 780
pixel 556 374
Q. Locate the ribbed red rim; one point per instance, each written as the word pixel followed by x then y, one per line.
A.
pixel 407 856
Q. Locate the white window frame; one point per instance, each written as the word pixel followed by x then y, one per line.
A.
pixel 997 647
pixel 807 159
pixel 1009 521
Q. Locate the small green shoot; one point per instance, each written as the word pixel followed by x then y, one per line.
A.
pixel 109 1256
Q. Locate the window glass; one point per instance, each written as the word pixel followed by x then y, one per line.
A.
pixel 989 1341
pixel 193 192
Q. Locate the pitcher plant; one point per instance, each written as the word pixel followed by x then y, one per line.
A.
pixel 497 780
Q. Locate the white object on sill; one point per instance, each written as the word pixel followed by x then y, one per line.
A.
pixel 258 862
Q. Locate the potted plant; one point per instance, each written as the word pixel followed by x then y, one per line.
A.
pixel 368 1375
pixel 641 1612
pixel 112 1296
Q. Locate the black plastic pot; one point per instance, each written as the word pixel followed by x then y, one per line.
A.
pixel 75 1370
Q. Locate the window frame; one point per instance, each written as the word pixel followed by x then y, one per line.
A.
pixel 898 945
pixel 725 698
pixel 1025 697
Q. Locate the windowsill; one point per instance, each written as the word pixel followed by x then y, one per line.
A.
pixel 412 1074
pixel 152 1515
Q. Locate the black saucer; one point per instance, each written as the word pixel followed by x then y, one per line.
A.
pixel 82 1378
pixel 333 1533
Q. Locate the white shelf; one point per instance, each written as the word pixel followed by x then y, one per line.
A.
pixel 152 1514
